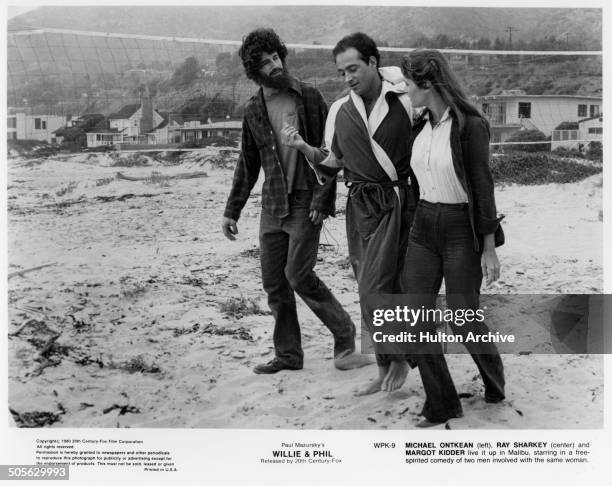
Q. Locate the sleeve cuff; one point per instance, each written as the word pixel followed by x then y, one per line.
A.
pixel 487 226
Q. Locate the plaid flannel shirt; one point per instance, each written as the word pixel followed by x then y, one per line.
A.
pixel 259 150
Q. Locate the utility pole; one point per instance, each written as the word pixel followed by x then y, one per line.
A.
pixel 510 29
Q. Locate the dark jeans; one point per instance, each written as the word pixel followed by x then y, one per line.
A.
pixel 288 256
pixel 441 246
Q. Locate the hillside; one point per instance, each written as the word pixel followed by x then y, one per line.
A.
pixel 66 73
pixel 399 26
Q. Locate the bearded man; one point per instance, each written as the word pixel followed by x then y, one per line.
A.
pixel 293 204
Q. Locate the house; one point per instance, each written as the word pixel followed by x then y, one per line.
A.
pixel 134 121
pixel 168 131
pixel 100 137
pixel 193 131
pixel 514 110
pixel 576 135
pixel 24 126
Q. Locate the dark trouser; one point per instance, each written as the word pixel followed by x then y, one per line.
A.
pixel 288 256
pixel 377 229
pixel 441 245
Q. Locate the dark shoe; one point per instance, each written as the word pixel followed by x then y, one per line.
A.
pixel 425 423
pixel 496 399
pixel 273 366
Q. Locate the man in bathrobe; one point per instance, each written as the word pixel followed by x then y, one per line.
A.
pixel 367 133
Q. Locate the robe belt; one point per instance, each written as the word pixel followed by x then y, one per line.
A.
pixel 371 202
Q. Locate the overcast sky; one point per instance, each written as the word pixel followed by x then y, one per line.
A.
pixel 13 10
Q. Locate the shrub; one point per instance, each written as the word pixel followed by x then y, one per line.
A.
pixel 594 151
pixel 533 169
pixel 130 160
pixel 568 152
pixel 528 136
pixel 231 141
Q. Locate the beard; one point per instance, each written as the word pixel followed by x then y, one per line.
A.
pixel 277 79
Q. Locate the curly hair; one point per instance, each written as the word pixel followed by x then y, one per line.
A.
pixel 254 45
pixel 362 43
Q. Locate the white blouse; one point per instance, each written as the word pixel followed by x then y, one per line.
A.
pixel 432 163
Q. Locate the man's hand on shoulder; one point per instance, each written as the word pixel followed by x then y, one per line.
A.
pixel 229 228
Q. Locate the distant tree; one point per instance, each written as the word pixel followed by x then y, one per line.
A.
pixel 186 73
pixel 484 43
pixel 223 61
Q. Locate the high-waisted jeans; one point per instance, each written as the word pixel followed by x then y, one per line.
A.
pixel 441 246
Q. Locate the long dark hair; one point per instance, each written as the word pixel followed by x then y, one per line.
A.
pixel 430 65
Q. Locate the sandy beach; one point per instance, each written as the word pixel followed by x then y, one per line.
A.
pixel 143 315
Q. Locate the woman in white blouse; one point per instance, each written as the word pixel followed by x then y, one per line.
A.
pixel 455 228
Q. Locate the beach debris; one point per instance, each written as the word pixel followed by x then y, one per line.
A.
pixel 254 252
pixel 372 419
pixel 137 364
pixel 123 409
pixel 26 324
pixel 85 405
pixel 194 281
pixel 186 175
pixel 447 426
pixel 71 186
pixel 79 324
pixel 177 332
pixel 240 333
pixel 21 273
pixel 36 418
pixel 50 353
pixel 466 395
pixel 238 307
pixel 403 412
pixel 104 181
pixel 87 360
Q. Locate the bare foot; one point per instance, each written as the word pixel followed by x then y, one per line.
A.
pixel 375 385
pixel 396 376
pixel 352 360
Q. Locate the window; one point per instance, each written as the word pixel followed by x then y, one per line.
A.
pixel 565 135
pixel 524 110
pixel 582 110
pixel 596 130
pixel 574 135
pixel 43 124
pixel 594 110
pixel 11 122
pixel 556 135
pixel 485 108
pixel 36 123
